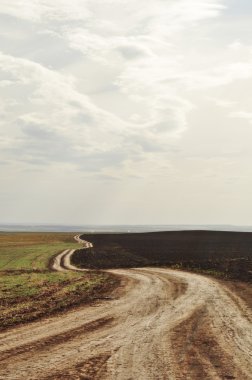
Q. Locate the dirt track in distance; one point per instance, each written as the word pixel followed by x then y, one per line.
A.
pixel 162 324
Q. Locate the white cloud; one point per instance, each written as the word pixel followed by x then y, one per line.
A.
pixel 57 123
pixel 55 108
pixel 223 103
pixel 45 10
pixel 218 76
pixel 235 45
pixel 114 103
pixel 242 115
pixel 154 68
pixel 143 63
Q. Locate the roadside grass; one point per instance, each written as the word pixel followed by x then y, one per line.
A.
pixel 30 290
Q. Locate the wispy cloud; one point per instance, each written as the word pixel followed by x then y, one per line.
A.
pixel 129 92
pixel 46 10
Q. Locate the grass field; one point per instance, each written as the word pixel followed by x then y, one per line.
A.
pixel 31 250
pixel 30 290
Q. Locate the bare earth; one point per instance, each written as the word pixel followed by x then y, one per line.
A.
pixel 162 324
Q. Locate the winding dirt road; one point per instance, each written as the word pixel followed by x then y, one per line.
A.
pixel 161 324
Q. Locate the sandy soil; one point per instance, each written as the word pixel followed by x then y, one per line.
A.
pixel 162 324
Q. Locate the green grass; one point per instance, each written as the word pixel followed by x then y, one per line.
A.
pixel 33 257
pixel 31 250
pixel 30 290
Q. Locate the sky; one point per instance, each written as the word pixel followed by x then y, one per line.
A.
pixel 126 112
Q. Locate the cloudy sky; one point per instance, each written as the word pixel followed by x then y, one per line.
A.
pixel 126 112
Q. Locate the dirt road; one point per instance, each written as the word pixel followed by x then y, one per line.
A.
pixel 161 324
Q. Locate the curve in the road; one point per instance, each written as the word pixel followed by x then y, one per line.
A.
pixel 62 262
pixel 164 324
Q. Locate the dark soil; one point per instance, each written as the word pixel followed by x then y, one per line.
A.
pixel 58 298
pixel 222 254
